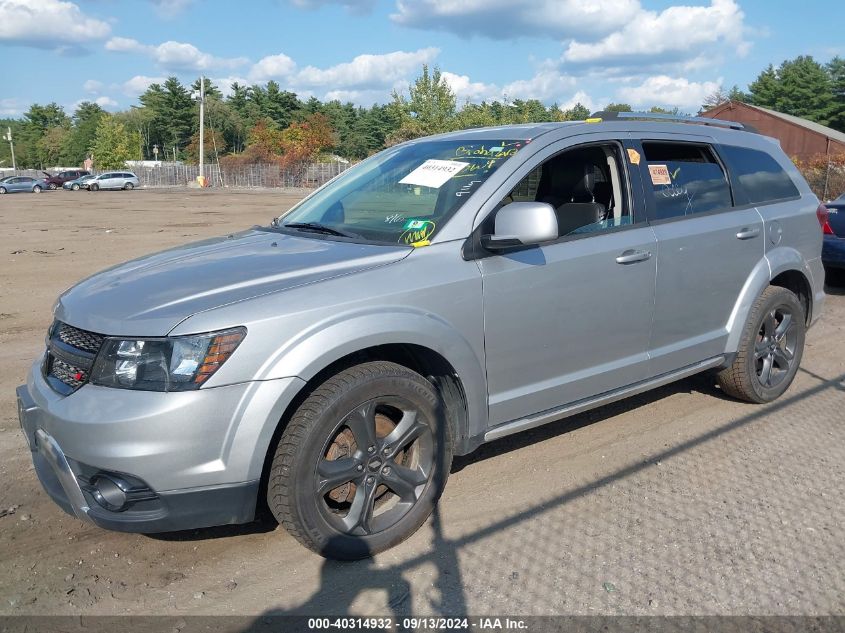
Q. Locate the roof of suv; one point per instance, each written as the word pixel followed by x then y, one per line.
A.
pixel 633 121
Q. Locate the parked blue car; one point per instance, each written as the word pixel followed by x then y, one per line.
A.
pixel 79 183
pixel 13 184
pixel 833 250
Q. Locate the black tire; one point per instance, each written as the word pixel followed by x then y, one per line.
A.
pixel 75 186
pixel 36 189
pixel 52 186
pixel 128 186
pixel 350 510
pixel 93 187
pixel 770 350
pixel 2 190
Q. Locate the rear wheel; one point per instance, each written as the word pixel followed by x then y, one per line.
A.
pixel 128 186
pixel 362 462
pixel 52 186
pixel 94 187
pixel 36 189
pixel 770 350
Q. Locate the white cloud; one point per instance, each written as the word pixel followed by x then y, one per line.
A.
pixel 105 102
pixel 357 6
pixel 224 84
pixel 671 91
pixel 579 97
pixel 561 19
pixel 367 71
pixel 138 84
pixel 464 88
pixel 93 86
pixel 126 45
pixel 676 34
pixel 52 24
pixel 272 67
pixel 175 55
pixel 171 8
pixel 546 85
pixel 10 108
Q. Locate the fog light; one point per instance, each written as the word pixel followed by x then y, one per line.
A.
pixel 110 492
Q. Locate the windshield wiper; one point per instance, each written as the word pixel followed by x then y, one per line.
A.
pixel 317 228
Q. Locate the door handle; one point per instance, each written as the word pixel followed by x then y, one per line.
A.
pixel 632 257
pixel 747 234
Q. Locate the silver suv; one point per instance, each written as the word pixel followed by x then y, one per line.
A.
pixel 441 294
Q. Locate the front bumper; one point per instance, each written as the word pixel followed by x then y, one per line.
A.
pixel 833 251
pixel 198 458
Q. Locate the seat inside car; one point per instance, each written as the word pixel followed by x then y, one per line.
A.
pixel 568 184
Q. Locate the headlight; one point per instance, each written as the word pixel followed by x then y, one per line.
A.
pixel 178 363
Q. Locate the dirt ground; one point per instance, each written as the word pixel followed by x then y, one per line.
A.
pixel 680 501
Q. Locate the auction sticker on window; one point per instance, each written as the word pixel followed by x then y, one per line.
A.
pixel 659 175
pixel 433 173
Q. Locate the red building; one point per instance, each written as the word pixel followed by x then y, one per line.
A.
pixel 798 137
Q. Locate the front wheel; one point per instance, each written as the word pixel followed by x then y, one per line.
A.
pixel 362 462
pixel 2 190
pixel 36 189
pixel 770 349
pixel 52 186
pixel 94 188
pixel 128 186
pixel 75 187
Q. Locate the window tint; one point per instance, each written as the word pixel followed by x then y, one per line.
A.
pixel 685 179
pixel 760 176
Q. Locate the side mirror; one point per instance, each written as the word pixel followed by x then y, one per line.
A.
pixel 522 224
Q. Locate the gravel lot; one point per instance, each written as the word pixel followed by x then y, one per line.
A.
pixel 680 501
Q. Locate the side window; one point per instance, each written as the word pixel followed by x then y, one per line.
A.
pixel 685 179
pixel 761 177
pixel 585 185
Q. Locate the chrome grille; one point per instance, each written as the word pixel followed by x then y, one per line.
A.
pixel 80 339
pixel 72 376
pixel 70 357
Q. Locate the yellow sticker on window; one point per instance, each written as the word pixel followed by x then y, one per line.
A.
pixel 634 156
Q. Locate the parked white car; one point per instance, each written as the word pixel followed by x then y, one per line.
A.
pixel 113 180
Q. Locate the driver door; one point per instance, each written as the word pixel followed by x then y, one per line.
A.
pixel 571 319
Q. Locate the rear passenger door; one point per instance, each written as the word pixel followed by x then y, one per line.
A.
pixel 707 246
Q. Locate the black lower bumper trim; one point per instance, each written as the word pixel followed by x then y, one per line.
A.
pixel 169 512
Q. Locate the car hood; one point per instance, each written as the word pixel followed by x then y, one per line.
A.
pixel 149 296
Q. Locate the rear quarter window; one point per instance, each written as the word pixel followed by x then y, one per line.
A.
pixel 685 179
pixel 760 176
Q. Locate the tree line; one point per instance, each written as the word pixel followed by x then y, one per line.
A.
pixel 261 123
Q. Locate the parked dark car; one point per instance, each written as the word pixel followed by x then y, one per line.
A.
pixel 833 250
pixel 54 182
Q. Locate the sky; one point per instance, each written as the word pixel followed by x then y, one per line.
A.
pixel 641 52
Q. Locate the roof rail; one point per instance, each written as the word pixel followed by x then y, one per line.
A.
pixel 658 116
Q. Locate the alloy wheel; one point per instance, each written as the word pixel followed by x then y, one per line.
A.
pixel 774 351
pixel 374 466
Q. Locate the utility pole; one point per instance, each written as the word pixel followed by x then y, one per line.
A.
pixel 8 137
pixel 202 129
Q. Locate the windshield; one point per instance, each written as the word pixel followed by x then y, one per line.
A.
pixel 403 195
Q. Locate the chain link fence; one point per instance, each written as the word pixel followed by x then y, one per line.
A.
pixel 308 175
pixel 827 180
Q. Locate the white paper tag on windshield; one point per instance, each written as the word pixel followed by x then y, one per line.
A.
pixel 433 173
